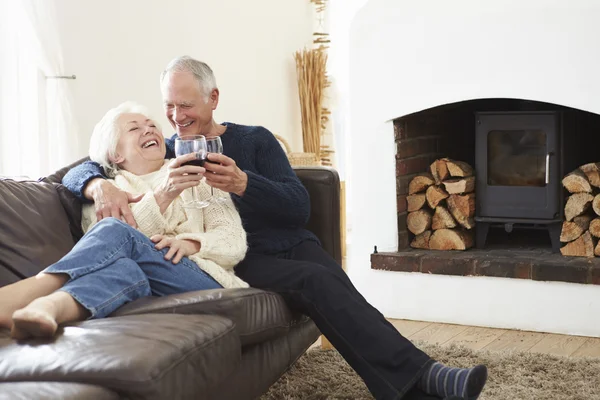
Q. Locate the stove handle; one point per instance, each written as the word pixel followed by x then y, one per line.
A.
pixel 548 167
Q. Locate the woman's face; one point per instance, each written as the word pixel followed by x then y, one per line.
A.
pixel 141 145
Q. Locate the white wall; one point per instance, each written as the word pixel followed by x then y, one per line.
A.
pixel 406 56
pixel 118 48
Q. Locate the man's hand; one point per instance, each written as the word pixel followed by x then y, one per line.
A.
pixel 178 179
pixel 177 248
pixel 110 201
pixel 225 175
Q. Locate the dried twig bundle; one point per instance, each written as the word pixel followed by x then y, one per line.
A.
pixel 321 4
pixel 312 80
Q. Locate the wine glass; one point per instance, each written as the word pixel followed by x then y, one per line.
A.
pixel 193 144
pixel 215 145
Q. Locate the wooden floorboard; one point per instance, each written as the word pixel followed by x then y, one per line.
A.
pixel 559 345
pixel 590 348
pixel 491 339
pixel 515 341
pixel 437 333
pixel 408 328
pixel 476 338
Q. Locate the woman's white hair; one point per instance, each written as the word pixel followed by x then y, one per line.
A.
pixel 201 71
pixel 103 144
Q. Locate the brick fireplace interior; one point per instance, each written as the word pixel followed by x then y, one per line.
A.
pixel 523 252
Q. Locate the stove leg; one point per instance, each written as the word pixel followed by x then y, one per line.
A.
pixel 482 229
pixel 554 232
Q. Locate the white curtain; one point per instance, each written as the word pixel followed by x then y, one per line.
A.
pixel 38 133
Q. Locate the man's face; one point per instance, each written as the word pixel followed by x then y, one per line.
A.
pixel 185 104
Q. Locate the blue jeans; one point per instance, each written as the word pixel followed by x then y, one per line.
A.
pixel 114 264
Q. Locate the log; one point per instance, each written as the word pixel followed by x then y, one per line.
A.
pixel 462 208
pixel 595 227
pixel 592 172
pixel 419 221
pixel 459 168
pixel 459 186
pixel 577 204
pixel 442 219
pixel 420 183
pixel 439 170
pixel 580 247
pixel 572 230
pixel 421 241
pixel 597 250
pixel 577 182
pixel 435 195
pixel 596 204
pixel 415 201
pixel 451 239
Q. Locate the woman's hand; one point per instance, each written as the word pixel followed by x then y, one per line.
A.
pixel 177 248
pixel 178 179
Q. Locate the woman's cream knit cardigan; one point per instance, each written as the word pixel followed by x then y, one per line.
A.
pixel 217 227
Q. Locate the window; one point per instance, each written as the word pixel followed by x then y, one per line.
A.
pixel 37 131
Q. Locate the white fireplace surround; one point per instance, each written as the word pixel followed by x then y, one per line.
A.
pixel 407 56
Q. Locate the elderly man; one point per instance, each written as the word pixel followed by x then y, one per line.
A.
pixel 283 256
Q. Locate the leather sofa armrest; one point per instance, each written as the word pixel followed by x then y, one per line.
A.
pixel 323 185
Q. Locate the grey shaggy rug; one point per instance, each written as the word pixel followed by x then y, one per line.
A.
pixel 323 374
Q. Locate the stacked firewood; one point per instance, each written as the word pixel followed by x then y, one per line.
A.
pixel 441 206
pixel 581 228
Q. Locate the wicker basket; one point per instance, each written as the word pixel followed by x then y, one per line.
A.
pixel 299 159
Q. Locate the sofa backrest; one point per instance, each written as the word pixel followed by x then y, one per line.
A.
pixel 34 228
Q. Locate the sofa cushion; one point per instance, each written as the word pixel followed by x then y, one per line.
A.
pixel 53 391
pixel 34 228
pixel 143 356
pixel 258 315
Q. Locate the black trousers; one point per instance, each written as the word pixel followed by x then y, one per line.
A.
pixel 313 283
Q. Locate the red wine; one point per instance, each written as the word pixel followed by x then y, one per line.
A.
pixel 195 163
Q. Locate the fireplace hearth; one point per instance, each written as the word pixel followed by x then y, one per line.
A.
pixel 520 149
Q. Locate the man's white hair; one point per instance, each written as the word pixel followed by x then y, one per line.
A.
pixel 107 132
pixel 201 71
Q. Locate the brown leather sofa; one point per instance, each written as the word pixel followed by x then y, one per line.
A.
pixel 213 344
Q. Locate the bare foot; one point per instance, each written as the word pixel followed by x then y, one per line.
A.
pixel 35 320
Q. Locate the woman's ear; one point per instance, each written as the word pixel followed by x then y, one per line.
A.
pixel 117 159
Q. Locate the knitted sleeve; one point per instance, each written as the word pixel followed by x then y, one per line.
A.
pixel 78 177
pixel 223 240
pixel 275 192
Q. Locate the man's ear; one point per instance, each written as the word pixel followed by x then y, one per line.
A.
pixel 214 98
pixel 117 159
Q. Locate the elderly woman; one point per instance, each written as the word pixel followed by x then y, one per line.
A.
pixel 175 250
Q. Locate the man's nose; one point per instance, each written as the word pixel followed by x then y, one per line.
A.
pixel 178 115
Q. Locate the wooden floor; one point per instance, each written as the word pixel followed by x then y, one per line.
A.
pixel 496 339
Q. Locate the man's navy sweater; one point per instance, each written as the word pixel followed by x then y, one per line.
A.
pixel 275 206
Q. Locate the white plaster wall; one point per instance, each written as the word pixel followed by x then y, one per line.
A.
pixel 406 56
pixel 118 48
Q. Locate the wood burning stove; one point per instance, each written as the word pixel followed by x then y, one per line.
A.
pixel 518 166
